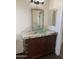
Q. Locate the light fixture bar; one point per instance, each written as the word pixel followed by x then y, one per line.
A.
pixel 38 1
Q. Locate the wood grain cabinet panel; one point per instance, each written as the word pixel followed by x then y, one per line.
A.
pixel 40 46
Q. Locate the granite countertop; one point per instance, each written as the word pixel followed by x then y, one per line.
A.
pixel 34 34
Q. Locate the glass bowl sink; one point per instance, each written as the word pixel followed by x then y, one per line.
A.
pixel 41 31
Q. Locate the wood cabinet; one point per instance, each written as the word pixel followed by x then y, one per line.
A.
pixel 35 47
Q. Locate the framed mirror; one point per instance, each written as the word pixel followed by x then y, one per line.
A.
pixel 37 19
pixel 52 17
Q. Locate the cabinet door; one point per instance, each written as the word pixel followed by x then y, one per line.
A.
pixel 43 45
pixel 34 47
pixel 31 48
pixel 50 43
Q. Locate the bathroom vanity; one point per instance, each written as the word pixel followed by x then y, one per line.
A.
pixel 38 44
pixel 40 41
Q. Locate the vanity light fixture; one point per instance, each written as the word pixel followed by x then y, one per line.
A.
pixel 37 1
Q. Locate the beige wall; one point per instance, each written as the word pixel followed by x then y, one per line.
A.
pixel 55 4
pixel 23 16
pixel 23 22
